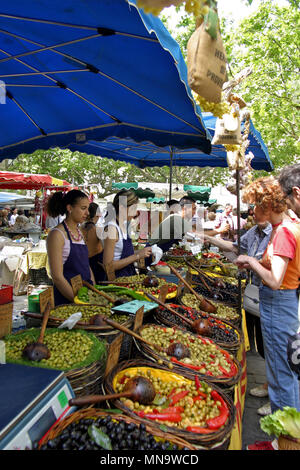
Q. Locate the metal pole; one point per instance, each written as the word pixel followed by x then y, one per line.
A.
pixel 238 207
pixel 171 173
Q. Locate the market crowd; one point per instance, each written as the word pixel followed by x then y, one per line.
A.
pixel 269 251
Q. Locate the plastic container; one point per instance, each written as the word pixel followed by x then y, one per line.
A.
pixel 2 352
pixel 6 294
pixel 18 323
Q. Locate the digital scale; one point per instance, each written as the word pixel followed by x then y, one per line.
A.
pixel 32 399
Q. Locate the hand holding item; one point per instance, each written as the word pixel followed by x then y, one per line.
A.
pixel 243 262
pixel 145 252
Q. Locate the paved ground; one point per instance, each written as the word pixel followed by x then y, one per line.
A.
pixel 255 376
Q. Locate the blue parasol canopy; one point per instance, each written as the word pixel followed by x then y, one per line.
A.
pixel 85 70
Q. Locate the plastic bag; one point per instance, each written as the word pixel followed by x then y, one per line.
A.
pixel 157 252
pixel 71 321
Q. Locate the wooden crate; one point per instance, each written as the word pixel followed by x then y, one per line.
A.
pixel 6 313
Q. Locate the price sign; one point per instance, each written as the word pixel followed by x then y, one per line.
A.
pixel 113 353
pixel 163 292
pixel 195 249
pixel 139 318
pixel 45 297
pixel 76 283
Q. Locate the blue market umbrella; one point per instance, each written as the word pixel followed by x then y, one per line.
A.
pixel 147 154
pixel 81 71
pixel 261 160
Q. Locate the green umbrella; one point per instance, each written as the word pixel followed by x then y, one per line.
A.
pixel 198 193
pixel 142 193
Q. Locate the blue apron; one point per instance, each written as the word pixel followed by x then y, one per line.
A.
pixel 76 263
pixel 96 264
pixel 127 250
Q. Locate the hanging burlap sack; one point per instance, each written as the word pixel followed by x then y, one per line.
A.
pixel 206 63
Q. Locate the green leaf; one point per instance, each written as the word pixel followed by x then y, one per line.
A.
pixel 98 436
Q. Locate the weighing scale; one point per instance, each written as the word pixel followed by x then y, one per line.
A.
pixel 32 399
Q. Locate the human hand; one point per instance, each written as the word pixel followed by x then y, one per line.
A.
pixel 243 262
pixel 145 252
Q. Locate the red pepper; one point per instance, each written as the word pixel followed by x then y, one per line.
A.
pixel 178 396
pixel 173 359
pixel 224 372
pixel 197 382
pixel 170 409
pixel 218 421
pixel 199 430
pixel 173 417
pixel 200 396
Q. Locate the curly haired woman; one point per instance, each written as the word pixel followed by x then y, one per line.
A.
pixel 279 270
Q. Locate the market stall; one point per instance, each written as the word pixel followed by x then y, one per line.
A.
pixel 196 400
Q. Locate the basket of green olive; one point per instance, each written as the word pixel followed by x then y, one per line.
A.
pixel 222 332
pixel 223 312
pixel 185 351
pixel 185 406
pixel 81 355
pixel 92 429
pixel 106 333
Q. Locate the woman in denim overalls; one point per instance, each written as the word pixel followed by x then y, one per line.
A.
pixel 279 270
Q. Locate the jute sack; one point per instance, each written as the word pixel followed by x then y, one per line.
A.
pixel 206 63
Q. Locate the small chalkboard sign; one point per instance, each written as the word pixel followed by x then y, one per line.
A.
pixel 76 283
pixel 133 306
pixel 45 297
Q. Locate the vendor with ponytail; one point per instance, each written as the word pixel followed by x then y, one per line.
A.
pixel 67 251
pixel 118 253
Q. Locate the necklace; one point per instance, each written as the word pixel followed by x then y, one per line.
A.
pixel 75 238
pixel 276 225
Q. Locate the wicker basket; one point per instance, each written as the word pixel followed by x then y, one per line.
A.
pixel 288 443
pixel 88 413
pixel 103 333
pixel 218 439
pixel 230 346
pixel 234 321
pixel 86 380
pixel 227 383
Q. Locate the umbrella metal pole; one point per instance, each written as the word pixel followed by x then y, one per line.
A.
pixel 171 173
pixel 238 207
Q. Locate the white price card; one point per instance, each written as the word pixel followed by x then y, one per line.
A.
pixel 195 249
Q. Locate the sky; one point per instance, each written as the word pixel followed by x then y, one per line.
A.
pixel 235 9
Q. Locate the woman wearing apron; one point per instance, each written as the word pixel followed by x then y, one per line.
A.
pixel 67 251
pixel 118 253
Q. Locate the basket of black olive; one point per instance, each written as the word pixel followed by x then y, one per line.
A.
pixel 91 429
pixel 88 322
pixel 184 406
pixel 219 290
pixel 223 333
pixel 223 311
pixel 182 350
